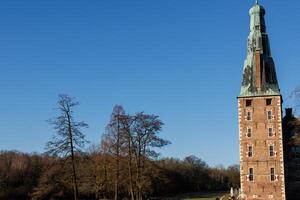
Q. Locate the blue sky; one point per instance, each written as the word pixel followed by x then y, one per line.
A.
pixel 181 60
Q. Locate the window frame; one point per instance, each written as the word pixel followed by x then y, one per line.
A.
pixel 248 115
pixel 269 102
pixel 249 132
pixel 250 151
pixel 251 174
pixel 272 174
pixel 272 152
pixel 270 115
pixel 248 102
pixel 270 131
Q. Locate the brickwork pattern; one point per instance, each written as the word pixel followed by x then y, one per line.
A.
pixel 263 118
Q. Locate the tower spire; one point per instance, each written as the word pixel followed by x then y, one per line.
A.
pixel 256 1
pixel 259 77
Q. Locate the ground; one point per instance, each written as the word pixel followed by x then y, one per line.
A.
pixel 213 198
pixel 201 196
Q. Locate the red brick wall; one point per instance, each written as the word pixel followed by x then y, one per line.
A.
pixel 261 187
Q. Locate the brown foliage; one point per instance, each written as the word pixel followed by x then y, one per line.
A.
pixel 39 177
pixel 125 165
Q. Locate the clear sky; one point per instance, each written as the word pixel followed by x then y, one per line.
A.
pixel 181 60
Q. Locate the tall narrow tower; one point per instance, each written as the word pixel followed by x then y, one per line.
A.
pixel 260 121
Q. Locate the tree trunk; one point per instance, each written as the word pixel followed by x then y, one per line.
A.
pixel 74 178
pixel 138 166
pixel 130 169
pixel 117 181
pixel 105 179
pixel 118 162
pixel 75 188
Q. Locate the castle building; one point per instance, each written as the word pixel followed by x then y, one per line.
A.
pixel 291 131
pixel 260 118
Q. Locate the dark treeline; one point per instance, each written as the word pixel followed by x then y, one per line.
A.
pixel 126 164
pixel 33 176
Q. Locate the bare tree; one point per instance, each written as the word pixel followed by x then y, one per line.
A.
pixel 102 164
pixel 127 122
pixel 68 138
pixel 144 140
pixel 134 139
pixel 113 133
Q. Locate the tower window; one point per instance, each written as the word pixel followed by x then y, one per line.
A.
pixel 268 102
pixel 249 132
pixel 271 151
pixel 250 151
pixel 270 132
pixel 248 103
pixel 270 115
pixel 249 116
pixel 250 176
pixel 273 176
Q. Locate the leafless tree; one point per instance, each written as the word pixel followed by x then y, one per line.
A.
pixel 113 133
pixel 127 122
pixel 144 140
pixel 68 138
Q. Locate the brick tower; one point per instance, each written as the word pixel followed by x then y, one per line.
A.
pixel 260 120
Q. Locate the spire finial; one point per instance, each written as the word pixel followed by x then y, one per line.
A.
pixel 256 1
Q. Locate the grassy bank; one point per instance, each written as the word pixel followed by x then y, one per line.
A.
pixel 198 196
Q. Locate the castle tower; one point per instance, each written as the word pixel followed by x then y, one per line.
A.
pixel 260 120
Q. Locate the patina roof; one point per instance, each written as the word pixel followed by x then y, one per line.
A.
pixel 259 75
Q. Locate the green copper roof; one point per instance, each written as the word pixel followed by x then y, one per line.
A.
pixel 259 51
